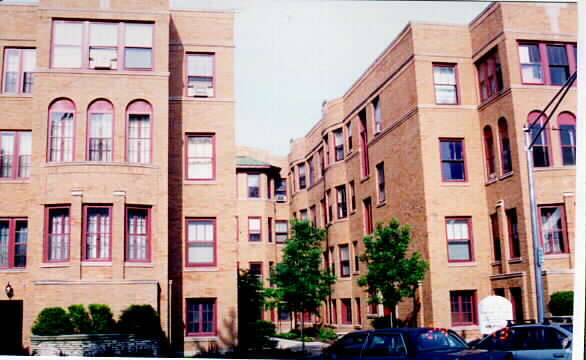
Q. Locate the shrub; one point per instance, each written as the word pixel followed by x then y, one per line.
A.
pixel 52 321
pixel 102 319
pixel 259 334
pixel 80 319
pixel 289 335
pixel 562 303
pixel 141 320
pixel 327 334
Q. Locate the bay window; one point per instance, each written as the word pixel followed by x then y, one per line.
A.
pixel 98 233
pixel 61 131
pixel 547 63
pixel 139 132
pixel 57 234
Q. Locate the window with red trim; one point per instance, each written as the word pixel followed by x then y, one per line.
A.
pixel 19 65
pixel 349 135
pixel 540 150
pixel 201 317
pixel 97 233
pixel 61 131
pixel 13 240
pixel 490 75
pixel 346 311
pixel 356 256
pixel 311 171
pixel 553 229
pixel 254 229
pixel 567 126
pixel 452 160
pixel 15 154
pixel 459 234
pixel 201 157
pixel 496 239
pixel 201 242
pixel 281 231
pixel 368 224
pixel 547 63
pixel 341 201
pixel 270 229
pixel 334 311
pixel 200 75
pixel 344 261
pixel 380 182
pixel 255 269
pixel 489 153
pixel 338 144
pixel 326 146
pixel 322 164
pixel 506 158
pixel 377 115
pixel 57 234
pixel 301 172
pixel 329 205
pixel 364 144
pixel 139 132
pixel 102 45
pixel 517 302
pixel 253 185
pixel 100 131
pixel 463 307
pixel 352 196
pixel 444 82
pixel 138 230
pixel 332 261
pixel 513 225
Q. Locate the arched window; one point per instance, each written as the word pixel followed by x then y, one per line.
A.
pixel 567 126
pixel 61 130
pixel 100 131
pixel 541 144
pixel 507 163
pixel 138 132
pixel 489 152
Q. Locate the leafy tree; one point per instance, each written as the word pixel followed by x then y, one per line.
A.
pixel 301 286
pixel 391 274
pixel 251 300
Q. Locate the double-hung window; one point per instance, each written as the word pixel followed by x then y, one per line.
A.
pixel 201 317
pixel 280 188
pixel 103 46
pixel 567 126
pixel 380 180
pixel 349 135
pixel 253 186
pixel 200 75
pixel 18 70
pixel 201 242
pixel 301 172
pixel 281 231
pixel 547 63
pixel 463 307
pixel 15 154
pixel 138 46
pixel 452 159
pixel 514 240
pixel 444 80
pixel 367 216
pixel 254 229
pixel 540 150
pixel 344 261
pixel 341 202
pixel 100 124
pixel 13 239
pixel 61 131
pixel 58 232
pixel 378 116
pixel 200 157
pixel 255 269
pixel 490 76
pixel 459 239
pixel 506 157
pixel 339 144
pixel 139 114
pixel 311 165
pixel 138 234
pixel 489 153
pixel 98 233
pixel 553 229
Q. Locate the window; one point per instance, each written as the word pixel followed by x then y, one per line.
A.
pixel 463 307
pixel 313 215
pixel 311 171
pixel 329 205
pixel 489 153
pixel 334 311
pixel 553 229
pixel 349 134
pixel 283 314
pixel 281 231
pixel 358 312
pixel 281 187
pixel 548 64
pixel 499 292
pixel 200 75
pixel 58 230
pixel 372 307
pixel 301 172
pixel 255 269
pixel 364 144
pixel 567 126
pixel 253 185
pixel 201 242
pixel 368 225
pixel 15 154
pixel 13 239
pixel 139 138
pixel 254 232
pixel 356 256
pixel 490 75
pixel 201 317
pixel 338 145
pixel 496 239
pixel 303 215
pixel 61 130
pixel 378 117
pixel 322 165
pixel 514 241
pixel 96 45
pixel 341 201
pixel 506 160
pixel 452 158
pixel 380 180
pixel 270 228
pixel 346 311
pixel 344 261
pixel 324 212
pixel 98 233
pixel 459 239
pixel 444 82
pixel 18 70
pixel 138 229
pixel 541 146
pixel 332 260
pixel 352 196
pixel 100 131
pixel 201 154
pixel 517 302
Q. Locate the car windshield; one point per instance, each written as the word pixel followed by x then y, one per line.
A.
pixel 439 340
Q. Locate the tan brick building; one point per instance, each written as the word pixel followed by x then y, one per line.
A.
pixel 432 134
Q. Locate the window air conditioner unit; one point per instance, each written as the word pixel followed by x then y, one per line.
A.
pixel 103 62
pixel 200 91
pixel 281 198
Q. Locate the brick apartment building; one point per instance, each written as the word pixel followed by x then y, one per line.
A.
pixel 122 183
pixel 432 134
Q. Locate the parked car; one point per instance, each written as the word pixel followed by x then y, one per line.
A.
pixel 530 342
pixel 407 343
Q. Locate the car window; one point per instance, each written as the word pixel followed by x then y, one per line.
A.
pixel 386 345
pixel 553 339
pixel 436 339
pixel 352 341
pixel 503 339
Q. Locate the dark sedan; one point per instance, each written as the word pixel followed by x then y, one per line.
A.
pixel 407 343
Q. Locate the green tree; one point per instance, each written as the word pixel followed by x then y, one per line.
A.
pixel 251 300
pixel 300 285
pixel 391 274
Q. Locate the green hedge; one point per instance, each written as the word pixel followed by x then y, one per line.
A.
pixel 562 303
pixel 52 321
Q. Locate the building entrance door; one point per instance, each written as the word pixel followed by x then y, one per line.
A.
pixel 11 329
